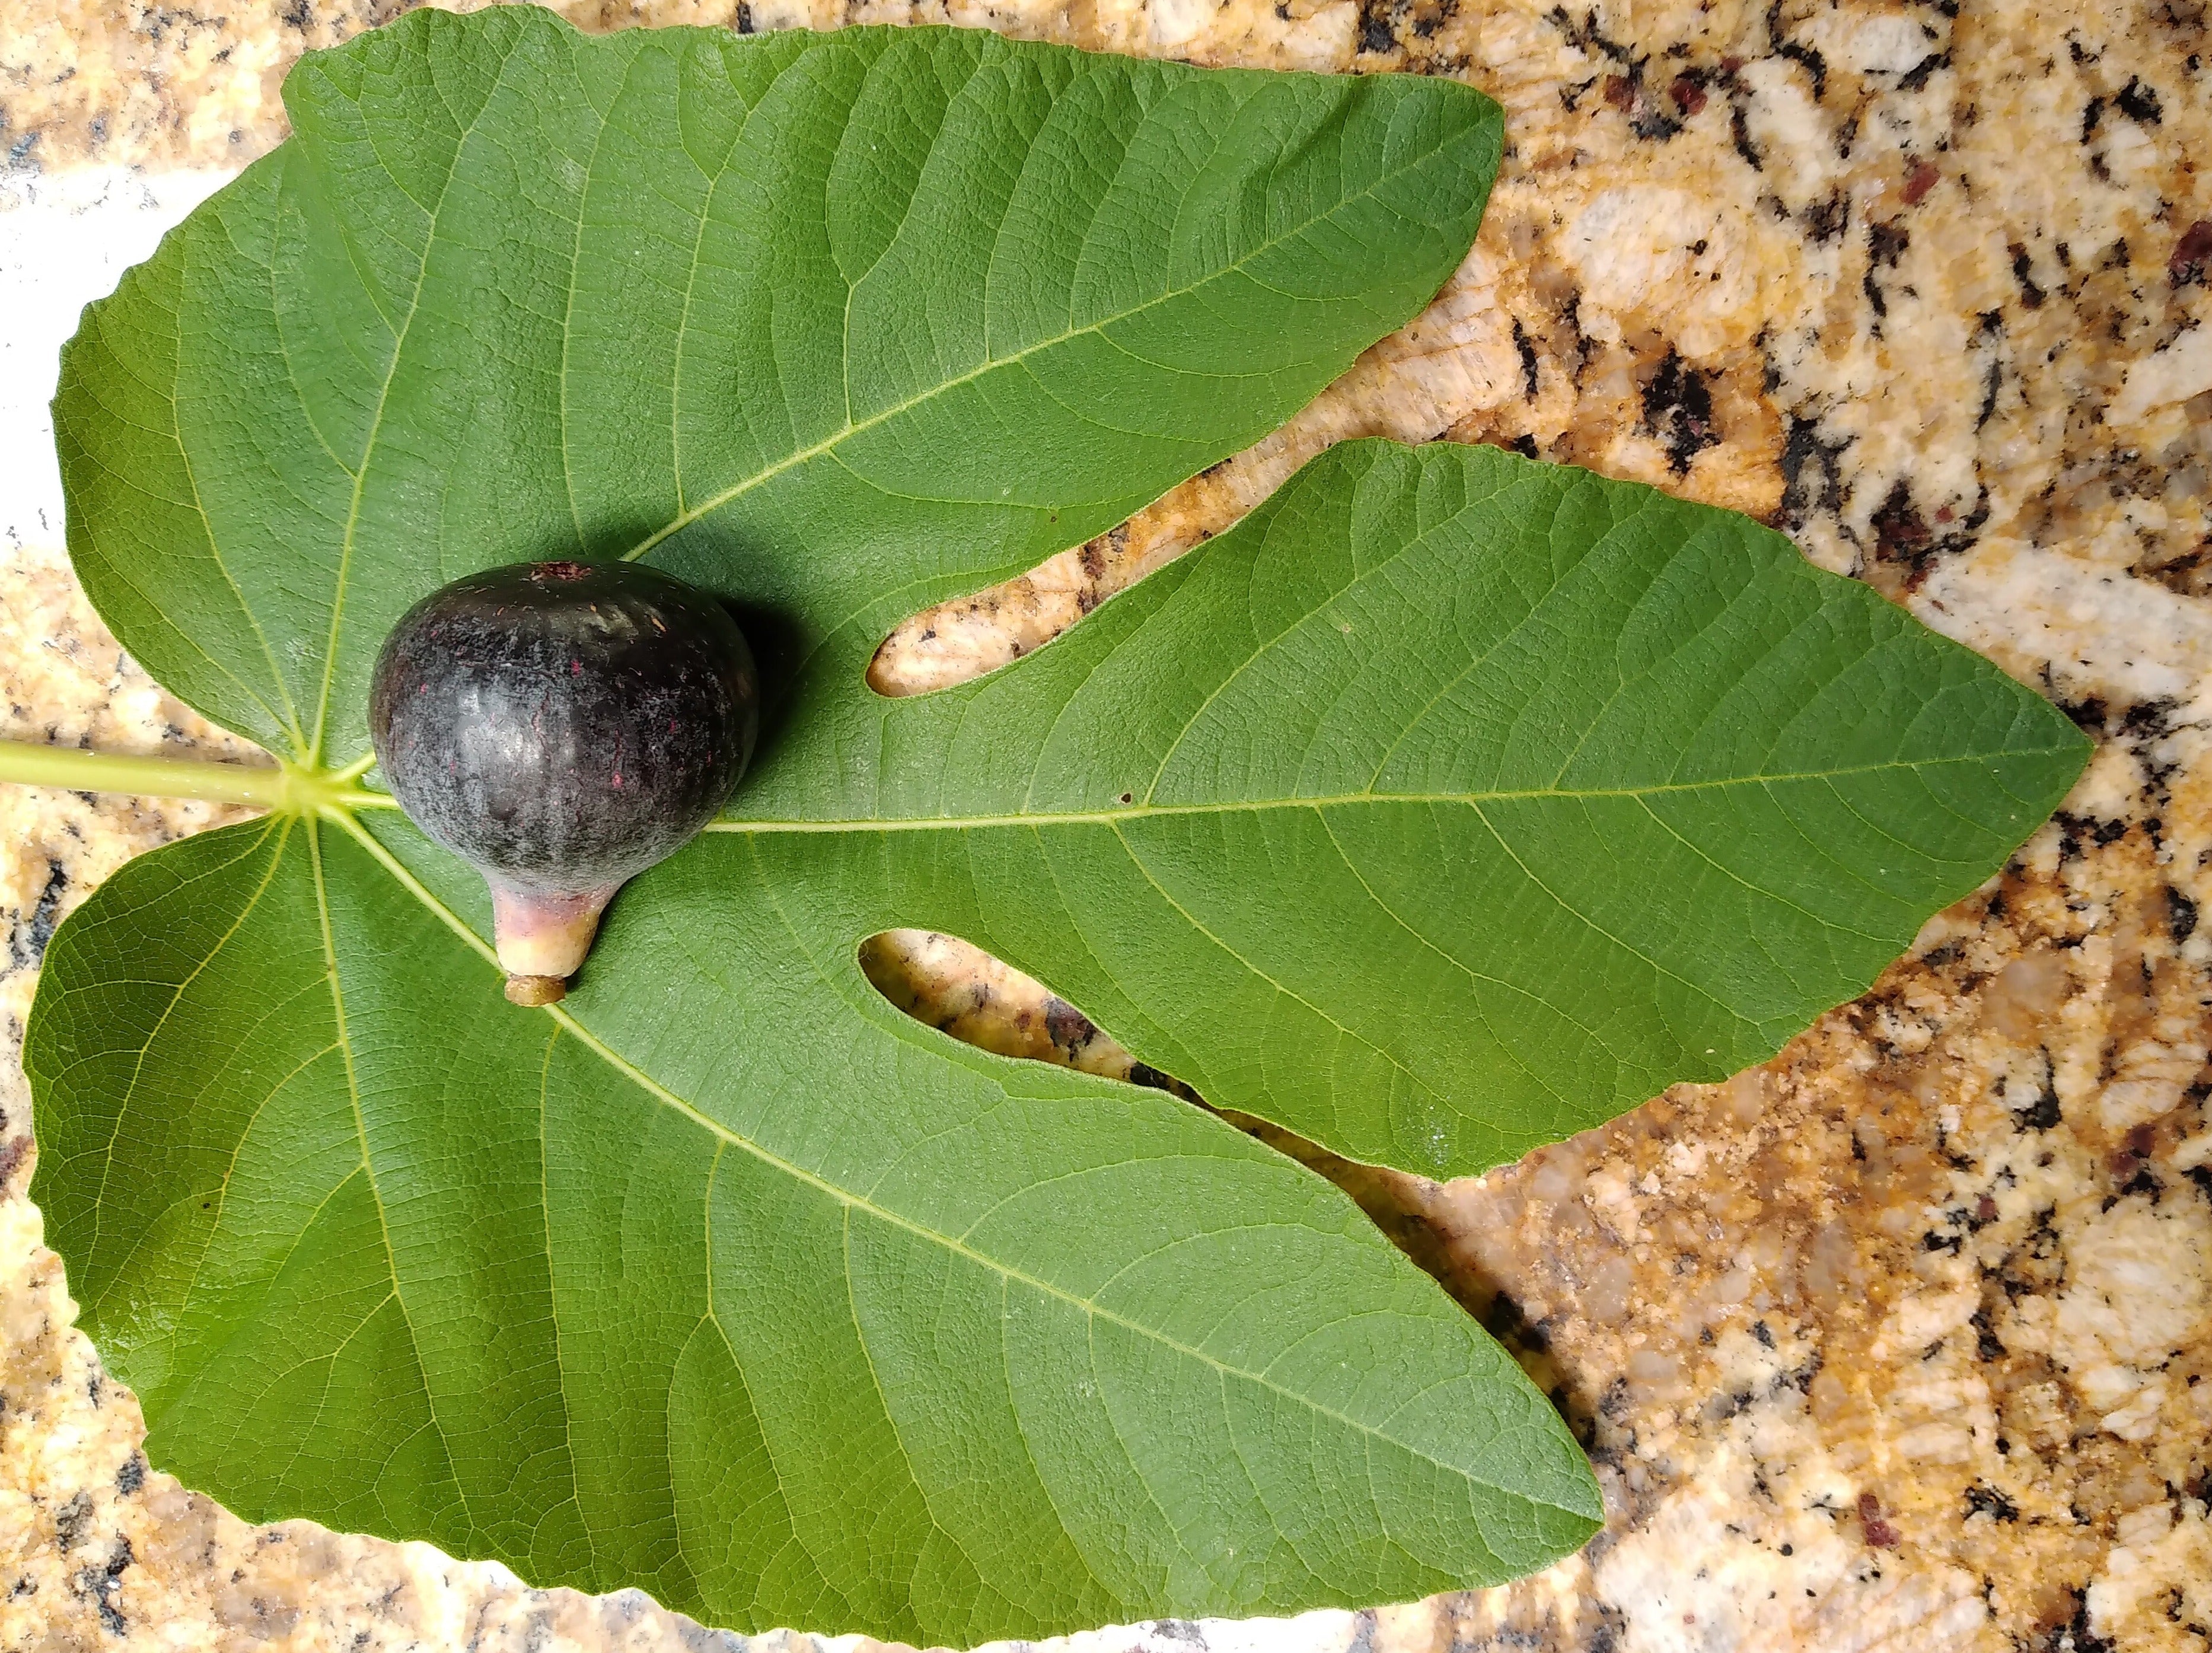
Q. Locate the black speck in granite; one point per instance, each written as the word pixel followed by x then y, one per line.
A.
pixel 1376 33
pixel 1826 218
pixel 2088 713
pixel 2139 103
pixel 1805 57
pixel 35 929
pixel 1740 133
pixel 1886 244
pixel 1588 38
pixel 1812 473
pixel 2079 1637
pixel 1649 122
pixel 1984 1499
pixel 102 1583
pixel 1678 410
pixel 1901 534
pixel 1614 1402
pixel 1916 77
pixel 1988 1345
pixel 2042 1113
pixel 71 1520
pixel 1992 324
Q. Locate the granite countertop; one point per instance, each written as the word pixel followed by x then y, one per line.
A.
pixel 1900 1341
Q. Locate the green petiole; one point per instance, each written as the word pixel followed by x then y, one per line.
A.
pixel 283 787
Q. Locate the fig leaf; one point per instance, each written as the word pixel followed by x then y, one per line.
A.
pixel 1449 803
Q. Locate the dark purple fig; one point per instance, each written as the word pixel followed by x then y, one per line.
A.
pixel 562 726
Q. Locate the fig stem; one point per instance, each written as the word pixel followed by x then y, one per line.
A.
pixel 287 787
pixel 535 991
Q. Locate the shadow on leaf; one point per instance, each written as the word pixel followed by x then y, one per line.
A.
pixel 775 636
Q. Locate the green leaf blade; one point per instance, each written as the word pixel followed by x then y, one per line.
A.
pixel 1469 802
pixel 848 321
pixel 600 1299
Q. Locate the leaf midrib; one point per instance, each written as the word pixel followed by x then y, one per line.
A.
pixel 315 751
pixel 853 1200
pixel 770 825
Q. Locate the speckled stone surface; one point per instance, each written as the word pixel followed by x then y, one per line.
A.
pixel 1903 1341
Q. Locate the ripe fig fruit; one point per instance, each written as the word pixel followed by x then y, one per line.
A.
pixel 562 726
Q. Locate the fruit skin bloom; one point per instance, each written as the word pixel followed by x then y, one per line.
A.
pixel 562 726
